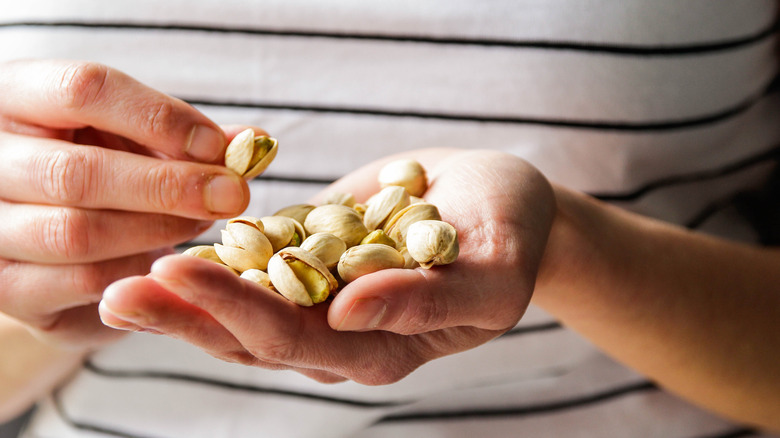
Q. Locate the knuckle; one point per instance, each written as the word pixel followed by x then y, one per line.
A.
pixel 88 281
pixel 158 118
pixel 425 315
pixel 65 176
pixel 164 187
pixel 81 84
pixel 278 350
pixel 66 234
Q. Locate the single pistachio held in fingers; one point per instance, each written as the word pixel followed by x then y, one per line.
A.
pixel 297 212
pixel 209 253
pixel 339 198
pixel 341 221
pixel 384 205
pixel 283 231
pixel 326 247
pixel 432 242
pixel 397 226
pixel 365 259
pixel 378 236
pixel 259 277
pixel 405 173
pixel 249 155
pixel 301 277
pixel 244 246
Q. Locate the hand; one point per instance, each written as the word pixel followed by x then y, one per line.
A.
pixel 384 325
pixel 99 180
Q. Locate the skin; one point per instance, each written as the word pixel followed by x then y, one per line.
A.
pixel 684 309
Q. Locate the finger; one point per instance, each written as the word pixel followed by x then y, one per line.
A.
pixel 141 304
pixel 277 331
pixel 57 173
pixel 67 94
pixel 419 301
pixel 35 293
pixel 43 234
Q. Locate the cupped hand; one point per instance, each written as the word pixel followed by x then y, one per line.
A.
pixel 101 176
pixel 382 326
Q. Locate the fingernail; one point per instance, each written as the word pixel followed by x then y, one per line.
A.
pixel 204 144
pixel 224 194
pixel 365 314
pixel 111 319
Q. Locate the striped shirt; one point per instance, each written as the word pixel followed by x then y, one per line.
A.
pixel 666 108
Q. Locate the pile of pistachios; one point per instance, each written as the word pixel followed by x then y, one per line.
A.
pixel 307 253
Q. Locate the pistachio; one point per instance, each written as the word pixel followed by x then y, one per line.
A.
pixel 384 205
pixel 259 277
pixel 297 212
pixel 432 242
pixel 339 220
pixel 249 155
pixel 326 247
pixel 378 236
pixel 405 173
pixel 409 261
pixel 365 259
pixel 300 276
pixel 209 253
pixel 283 231
pixel 339 198
pixel 360 208
pixel 398 225
pixel 244 246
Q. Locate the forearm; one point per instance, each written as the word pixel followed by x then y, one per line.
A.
pixel 697 314
pixel 29 368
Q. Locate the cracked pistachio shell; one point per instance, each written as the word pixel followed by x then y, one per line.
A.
pixel 259 277
pixel 384 205
pixel 249 155
pixel 409 261
pixel 365 259
pixel 432 242
pixel 326 247
pixel 209 253
pixel 398 225
pixel 378 236
pixel 339 220
pixel 297 212
pixel 248 220
pixel 244 247
pixel 405 173
pixel 339 198
pixel 301 277
pixel 283 231
pixel 361 208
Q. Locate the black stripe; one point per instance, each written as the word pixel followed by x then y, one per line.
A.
pixel 732 433
pixel 703 175
pixel 604 48
pixel 89 426
pixel 603 125
pixel 520 411
pixel 89 365
pixel 536 328
pixel 295 179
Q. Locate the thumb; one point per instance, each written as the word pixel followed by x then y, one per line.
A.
pixel 406 301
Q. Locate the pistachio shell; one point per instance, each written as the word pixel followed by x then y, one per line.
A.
pixel 248 220
pixel 259 277
pixel 365 259
pixel 297 211
pixel 409 261
pixel 432 242
pixel 384 205
pixel 339 198
pixel 339 220
pixel 378 236
pixel 239 258
pixel 249 155
pixel 203 251
pixel 296 273
pixel 398 225
pixel 283 231
pixel 326 247
pixel 405 173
